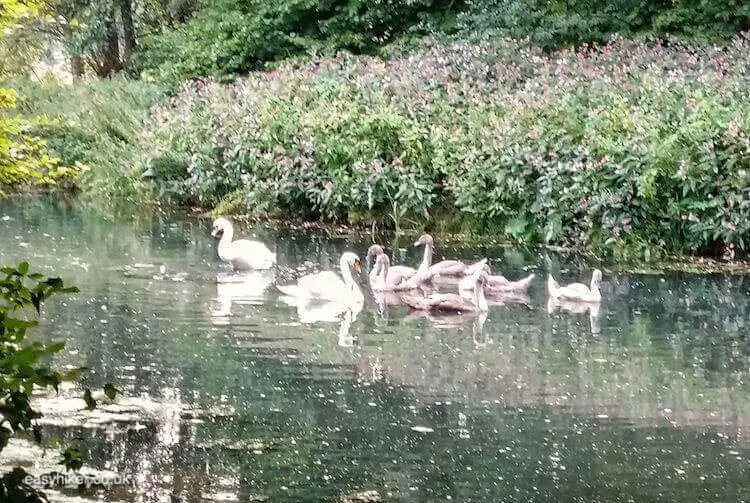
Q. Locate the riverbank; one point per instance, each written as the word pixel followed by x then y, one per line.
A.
pixel 579 258
pixel 631 151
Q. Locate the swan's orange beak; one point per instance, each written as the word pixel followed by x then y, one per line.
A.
pixel 357 266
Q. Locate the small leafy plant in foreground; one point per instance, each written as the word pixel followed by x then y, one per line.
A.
pixel 26 365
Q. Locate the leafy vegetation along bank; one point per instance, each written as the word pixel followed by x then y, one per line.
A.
pixel 631 149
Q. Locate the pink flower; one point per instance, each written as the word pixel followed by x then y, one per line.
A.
pixel 329 185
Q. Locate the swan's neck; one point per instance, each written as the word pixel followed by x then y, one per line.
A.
pixel 481 299
pixel 426 258
pixel 379 272
pixel 374 273
pixel 349 281
pixel 554 288
pixel 384 269
pixel 225 241
pixel 595 293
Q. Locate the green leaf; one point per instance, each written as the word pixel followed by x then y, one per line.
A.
pixel 73 374
pixel 54 282
pixel 110 391
pixel 55 347
pixel 72 459
pixel 23 268
pixel 36 300
pixel 90 402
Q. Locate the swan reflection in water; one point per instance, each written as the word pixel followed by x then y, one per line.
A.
pixel 346 339
pixel 246 288
pixel 311 311
pixel 501 298
pixel 577 307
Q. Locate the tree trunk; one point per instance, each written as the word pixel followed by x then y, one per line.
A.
pixel 126 14
pixel 110 62
pixel 76 66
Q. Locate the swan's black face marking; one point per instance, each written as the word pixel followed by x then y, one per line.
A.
pixel 217 231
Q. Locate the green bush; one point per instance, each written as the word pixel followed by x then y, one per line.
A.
pixel 94 125
pixel 24 159
pixel 557 23
pixel 629 149
pixel 229 37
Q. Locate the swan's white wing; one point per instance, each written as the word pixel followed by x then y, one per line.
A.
pixel 449 268
pixel 248 254
pixel 324 285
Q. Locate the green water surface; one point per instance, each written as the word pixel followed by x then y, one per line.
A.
pixel 229 397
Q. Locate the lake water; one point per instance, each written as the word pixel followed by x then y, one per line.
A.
pixel 227 396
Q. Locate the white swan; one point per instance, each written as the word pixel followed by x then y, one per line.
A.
pixel 243 254
pixel 327 286
pixel 576 291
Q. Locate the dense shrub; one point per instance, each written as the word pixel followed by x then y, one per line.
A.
pixel 24 159
pixel 557 23
pixel 93 125
pixel 228 37
pixel 632 148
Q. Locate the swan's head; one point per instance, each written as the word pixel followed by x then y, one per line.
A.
pixel 352 260
pixel 424 239
pixel 374 251
pixel 220 226
pixel 596 278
